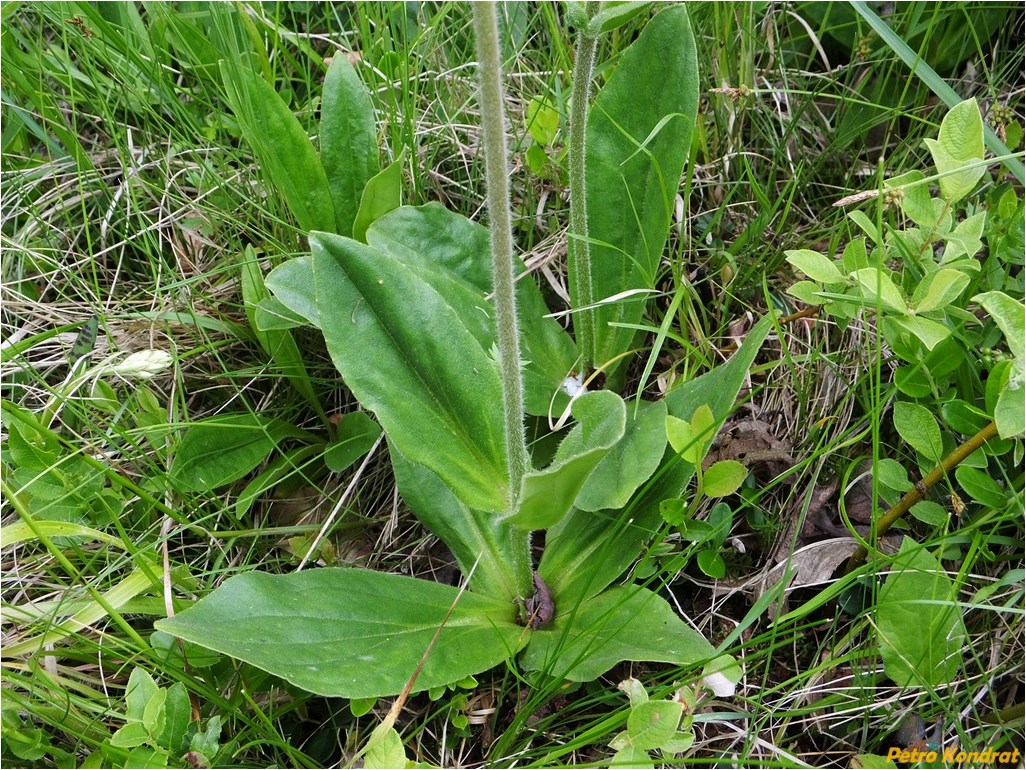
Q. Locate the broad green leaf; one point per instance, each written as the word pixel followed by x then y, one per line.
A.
pixel 930 513
pixel 351 633
pixel 930 333
pixel 623 623
pixel 475 538
pixel 917 426
pixel 131 735
pixel 958 146
pixel 382 194
pixel 355 436
pixel 919 621
pixel 815 266
pixel 916 203
pixel 349 142
pixel 939 289
pixel 635 158
pixel 981 487
pixel 631 461
pixel 458 251
pixel 140 691
pixel 1010 413
pixel 653 724
pixel 854 256
pixel 866 225
pixel 277 343
pixel 807 292
pixel 542 121
pixel 177 716
pixel 1010 316
pixel 281 146
pixel 682 438
pixel 219 450
pixel 389 752
pixel 292 284
pixel 434 390
pixel 723 478
pixel 587 551
pixel 547 495
pixel 877 285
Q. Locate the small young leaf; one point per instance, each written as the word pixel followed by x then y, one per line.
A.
pixel 930 333
pixel 1010 413
pixel 682 438
pixel 893 475
pixel 177 716
pixel 712 564
pixel 546 495
pixel 383 193
pixel 631 757
pixel 807 292
pixel 1010 316
pixel 542 121
pixel 815 266
pixel 141 690
pixel 635 690
pixel 723 478
pixel 918 428
pixel 357 433
pixel 292 284
pixel 673 511
pixel 358 707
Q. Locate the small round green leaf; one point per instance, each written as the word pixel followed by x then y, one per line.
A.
pixel 724 478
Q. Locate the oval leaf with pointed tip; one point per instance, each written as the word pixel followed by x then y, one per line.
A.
pixel 635 157
pixel 919 621
pixel 624 623
pixel 282 146
pixel 222 449
pixel 546 496
pixel 350 632
pixel 408 357
pixel 349 142
pixel 630 463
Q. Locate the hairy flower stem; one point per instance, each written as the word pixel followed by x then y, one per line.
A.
pixel 486 32
pixel 578 251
